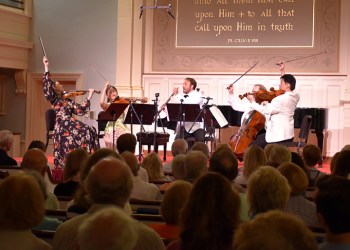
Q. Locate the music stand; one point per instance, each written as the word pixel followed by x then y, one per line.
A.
pixel 112 113
pixel 144 114
pixel 183 113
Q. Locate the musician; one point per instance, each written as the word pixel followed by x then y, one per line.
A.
pixel 69 133
pixel 190 96
pixel 279 113
pixel 119 128
pixel 242 105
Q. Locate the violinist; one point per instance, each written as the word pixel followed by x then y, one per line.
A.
pixel 69 133
pixel 279 112
pixel 119 128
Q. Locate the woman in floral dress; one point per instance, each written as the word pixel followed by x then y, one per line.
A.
pixel 69 133
pixel 119 128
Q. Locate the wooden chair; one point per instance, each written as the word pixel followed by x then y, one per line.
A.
pixel 148 218
pixel 57 213
pixel 45 235
pixel 145 206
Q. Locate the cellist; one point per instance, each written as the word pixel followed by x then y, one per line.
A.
pixel 279 113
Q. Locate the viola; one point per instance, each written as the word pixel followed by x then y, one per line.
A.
pixel 72 93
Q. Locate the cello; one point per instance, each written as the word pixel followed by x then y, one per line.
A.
pixel 251 126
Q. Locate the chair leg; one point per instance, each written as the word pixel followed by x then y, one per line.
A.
pixel 164 158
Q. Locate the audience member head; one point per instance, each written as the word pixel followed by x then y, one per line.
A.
pixel 131 161
pixel 274 230
pixel 210 215
pixel 80 196
pixel 311 155
pixel 178 167
pixel 298 160
pixel 342 164
pixel 179 146
pixel 346 147
pixel 174 199
pixel 280 154
pixel 126 142
pixel 195 165
pixel 37 144
pixel 295 176
pixel 109 182
pixel 94 158
pixel 268 148
pixel 332 163
pixel 6 140
pixel 22 203
pixel 224 162
pixel 109 228
pixel 333 204
pixel 253 158
pixel 34 159
pixel 75 161
pixel 154 167
pixel 202 147
pixel 221 146
pixel 267 190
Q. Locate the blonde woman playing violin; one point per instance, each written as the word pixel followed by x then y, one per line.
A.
pixel 119 128
pixel 69 133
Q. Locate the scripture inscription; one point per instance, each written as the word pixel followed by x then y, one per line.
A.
pixel 245 23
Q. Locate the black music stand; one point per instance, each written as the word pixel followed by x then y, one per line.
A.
pixel 112 113
pixel 144 114
pixel 183 113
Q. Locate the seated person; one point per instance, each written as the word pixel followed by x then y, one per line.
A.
pixel 6 141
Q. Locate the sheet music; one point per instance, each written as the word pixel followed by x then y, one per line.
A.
pixel 220 118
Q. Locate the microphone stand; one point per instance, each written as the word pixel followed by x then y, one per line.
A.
pixel 201 111
pixel 181 118
pixel 155 101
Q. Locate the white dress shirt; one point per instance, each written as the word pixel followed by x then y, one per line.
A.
pixel 279 116
pixel 242 105
pixel 194 97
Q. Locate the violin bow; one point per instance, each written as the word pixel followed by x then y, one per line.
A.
pixel 304 57
pixel 98 73
pixel 42 46
pixel 229 86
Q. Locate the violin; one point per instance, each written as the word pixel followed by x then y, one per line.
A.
pixel 130 99
pixel 72 93
pixel 264 95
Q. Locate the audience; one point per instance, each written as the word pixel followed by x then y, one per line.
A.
pixel 126 142
pixel 75 161
pixel 202 147
pixel 37 144
pixel 172 203
pixel 81 202
pixel 6 141
pixel 297 203
pixel 109 183
pixel 35 160
pixel 47 223
pixel 153 165
pixel 311 156
pixel 178 166
pixel 109 228
pixel 22 208
pixel 195 165
pixel 141 190
pixel 342 164
pixel 267 190
pixel 253 158
pixel 333 206
pixel 274 230
pixel 178 147
pixel 279 154
pixel 210 215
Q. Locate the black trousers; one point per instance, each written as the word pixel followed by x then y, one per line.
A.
pixel 261 141
pixel 198 135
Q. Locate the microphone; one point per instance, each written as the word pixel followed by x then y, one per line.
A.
pixel 208 98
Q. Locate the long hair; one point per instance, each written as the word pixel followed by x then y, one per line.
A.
pixel 211 214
